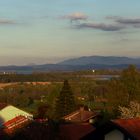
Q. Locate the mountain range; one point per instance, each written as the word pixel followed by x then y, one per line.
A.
pixel 101 60
pixel 81 63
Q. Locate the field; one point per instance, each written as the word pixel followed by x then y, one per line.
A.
pixel 3 85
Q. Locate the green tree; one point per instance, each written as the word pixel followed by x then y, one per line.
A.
pixel 120 91
pixel 130 78
pixel 42 111
pixel 116 94
pixel 65 102
pixel 31 101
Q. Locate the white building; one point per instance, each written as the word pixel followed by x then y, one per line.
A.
pixel 11 116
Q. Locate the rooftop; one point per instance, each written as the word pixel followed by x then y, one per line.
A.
pixel 75 131
pixel 131 126
pixel 80 115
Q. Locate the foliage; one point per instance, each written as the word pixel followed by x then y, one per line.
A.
pixel 116 94
pixel 105 116
pixel 132 111
pixel 41 77
pixel 42 111
pixel 124 89
pixel 101 95
pixel 65 102
pixel 130 78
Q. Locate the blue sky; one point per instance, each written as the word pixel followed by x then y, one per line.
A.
pixel 48 31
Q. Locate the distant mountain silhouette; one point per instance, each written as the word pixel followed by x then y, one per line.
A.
pixel 82 63
pixel 101 60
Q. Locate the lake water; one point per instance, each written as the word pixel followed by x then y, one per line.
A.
pixel 101 77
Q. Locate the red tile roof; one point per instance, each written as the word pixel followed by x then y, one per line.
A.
pixel 132 126
pixel 15 123
pixel 75 131
pixel 80 116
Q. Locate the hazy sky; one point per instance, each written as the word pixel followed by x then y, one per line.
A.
pixel 46 31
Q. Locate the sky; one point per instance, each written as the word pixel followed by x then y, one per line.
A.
pixel 48 31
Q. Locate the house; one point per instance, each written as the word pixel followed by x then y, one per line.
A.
pixel 119 129
pixel 14 124
pixel 12 117
pixel 130 128
pixel 77 124
pixel 81 115
pixel 75 131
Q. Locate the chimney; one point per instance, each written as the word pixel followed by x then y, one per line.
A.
pixel 82 109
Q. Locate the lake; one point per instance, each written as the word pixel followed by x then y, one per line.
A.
pixel 102 77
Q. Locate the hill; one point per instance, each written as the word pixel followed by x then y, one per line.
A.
pixel 101 60
pixel 82 63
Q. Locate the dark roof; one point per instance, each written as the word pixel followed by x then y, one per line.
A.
pixel 75 131
pixel 34 131
pixel 80 116
pixel 3 105
pixel 131 126
pixel 99 132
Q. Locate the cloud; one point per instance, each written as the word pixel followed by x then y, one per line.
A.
pixel 6 22
pixel 136 26
pixel 128 21
pixel 101 26
pixel 135 22
pixel 112 17
pixel 117 23
pixel 75 16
